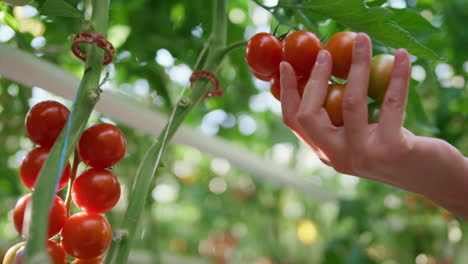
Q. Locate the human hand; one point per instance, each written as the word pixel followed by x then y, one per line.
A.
pixel 383 152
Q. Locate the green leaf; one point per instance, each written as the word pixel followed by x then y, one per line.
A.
pixel 375 3
pixel 415 110
pixel 380 23
pixel 413 21
pixel 59 8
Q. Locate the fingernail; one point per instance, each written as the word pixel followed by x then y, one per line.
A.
pixel 283 67
pixel 322 57
pixel 400 56
pixel 360 41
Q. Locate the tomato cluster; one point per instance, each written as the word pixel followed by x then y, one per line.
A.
pixel 86 235
pixel 265 52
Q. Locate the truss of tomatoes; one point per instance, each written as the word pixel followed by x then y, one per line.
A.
pixel 265 52
pixel 86 235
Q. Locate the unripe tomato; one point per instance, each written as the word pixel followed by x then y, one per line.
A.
pixel 373 110
pixel 300 49
pixel 96 191
pixel 380 74
pixel 88 261
pixel 263 54
pixel 56 254
pixel 10 255
pixel 340 47
pixel 32 165
pixel 102 146
pixel 57 215
pixel 45 121
pixel 86 236
pixel 334 103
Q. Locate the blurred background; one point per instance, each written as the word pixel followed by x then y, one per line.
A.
pixel 202 208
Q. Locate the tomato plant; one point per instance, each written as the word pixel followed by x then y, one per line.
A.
pixel 334 103
pixel 45 121
pixel 373 110
pixel 300 49
pixel 102 146
pixel 340 47
pixel 263 54
pixel 86 236
pixel 380 74
pixel 56 254
pixel 265 78
pixel 96 191
pixel 57 215
pixel 32 165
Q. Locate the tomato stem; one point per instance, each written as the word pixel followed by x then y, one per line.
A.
pixel 86 98
pixel 76 163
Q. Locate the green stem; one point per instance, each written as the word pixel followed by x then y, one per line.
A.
pixel 120 248
pixel 87 96
pixel 76 163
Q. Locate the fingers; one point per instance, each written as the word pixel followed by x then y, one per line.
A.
pixel 311 115
pixel 355 96
pixel 290 98
pixel 393 107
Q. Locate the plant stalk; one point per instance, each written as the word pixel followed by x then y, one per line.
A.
pixel 87 96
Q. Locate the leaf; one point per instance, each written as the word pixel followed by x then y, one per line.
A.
pixel 375 3
pixel 380 23
pixel 413 21
pixel 415 110
pixel 59 8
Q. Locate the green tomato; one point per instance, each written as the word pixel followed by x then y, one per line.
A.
pixel 11 253
pixel 380 74
pixel 16 2
pixel 373 110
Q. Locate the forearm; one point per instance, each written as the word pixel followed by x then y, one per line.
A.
pixel 437 170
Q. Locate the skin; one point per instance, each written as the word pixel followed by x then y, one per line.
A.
pixel 385 151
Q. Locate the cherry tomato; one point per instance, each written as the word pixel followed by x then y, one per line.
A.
pixel 96 191
pixel 380 74
pixel 373 110
pixel 275 86
pixel 88 261
pixel 57 215
pixel 102 146
pixel 86 236
pixel 32 165
pixel 56 254
pixel 334 103
pixel 340 47
pixel 300 49
pixel 263 54
pixel 265 78
pixel 45 121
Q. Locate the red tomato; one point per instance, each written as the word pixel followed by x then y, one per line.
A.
pixel 32 165
pixel 340 47
pixel 263 54
pixel 88 261
pixel 300 49
pixel 265 78
pixel 102 146
pixel 96 191
pixel 57 215
pixel 380 75
pixel 86 236
pixel 56 254
pixel 45 121
pixel 334 103
pixel 275 88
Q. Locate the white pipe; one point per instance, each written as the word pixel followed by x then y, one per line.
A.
pixel 31 71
